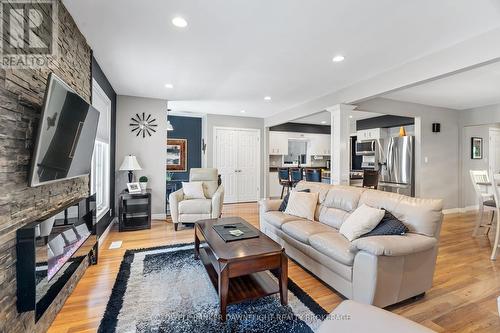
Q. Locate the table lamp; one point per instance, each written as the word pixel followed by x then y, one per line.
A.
pixel 130 164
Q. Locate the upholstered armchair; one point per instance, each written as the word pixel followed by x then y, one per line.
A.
pixel 191 210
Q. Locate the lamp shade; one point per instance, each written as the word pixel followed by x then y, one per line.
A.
pixel 130 163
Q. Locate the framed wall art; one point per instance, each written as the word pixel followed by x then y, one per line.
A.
pixel 177 155
pixel 476 148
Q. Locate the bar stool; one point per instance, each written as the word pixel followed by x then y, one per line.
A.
pixel 484 198
pixel 370 178
pixel 284 179
pixel 295 176
pixel 313 175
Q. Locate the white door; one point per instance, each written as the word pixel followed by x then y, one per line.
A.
pixel 237 157
pixel 494 150
pixel 225 162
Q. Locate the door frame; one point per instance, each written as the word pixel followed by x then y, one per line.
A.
pixel 256 130
pixel 491 150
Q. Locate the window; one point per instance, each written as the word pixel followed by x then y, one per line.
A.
pixel 99 183
pixel 100 177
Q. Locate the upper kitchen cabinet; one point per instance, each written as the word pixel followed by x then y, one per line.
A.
pixel 319 144
pixel 278 143
pixel 371 134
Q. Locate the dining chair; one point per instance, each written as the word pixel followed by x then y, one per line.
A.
pixel 484 198
pixel 496 197
pixel 313 175
pixel 295 176
pixel 284 179
pixel 370 178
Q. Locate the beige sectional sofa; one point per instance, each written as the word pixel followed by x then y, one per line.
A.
pixel 378 270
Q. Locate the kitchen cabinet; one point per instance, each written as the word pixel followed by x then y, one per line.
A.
pixel 319 144
pixel 371 134
pixel 274 185
pixel 278 143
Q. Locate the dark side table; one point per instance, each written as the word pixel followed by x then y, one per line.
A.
pixel 134 210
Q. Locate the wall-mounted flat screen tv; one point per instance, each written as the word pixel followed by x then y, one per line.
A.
pixel 66 135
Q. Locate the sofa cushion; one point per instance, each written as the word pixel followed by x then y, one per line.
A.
pixel 333 217
pixel 362 220
pixel 209 177
pixel 422 216
pixel 301 230
pixel 302 204
pixel 195 206
pixel 345 198
pixel 276 218
pixel 333 245
pixel 315 187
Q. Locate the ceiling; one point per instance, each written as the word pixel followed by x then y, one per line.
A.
pixel 233 53
pixel 470 89
pixel 324 117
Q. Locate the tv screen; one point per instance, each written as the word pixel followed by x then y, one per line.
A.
pixel 66 135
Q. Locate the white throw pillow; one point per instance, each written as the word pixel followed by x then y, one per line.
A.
pixel 193 190
pixel 364 219
pixel 302 204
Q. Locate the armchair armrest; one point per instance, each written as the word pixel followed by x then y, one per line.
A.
pixel 173 200
pixel 394 246
pixel 267 205
pixel 217 202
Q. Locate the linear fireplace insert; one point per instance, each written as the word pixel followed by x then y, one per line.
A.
pixel 50 250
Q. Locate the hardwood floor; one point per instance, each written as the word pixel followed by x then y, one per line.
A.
pixel 463 298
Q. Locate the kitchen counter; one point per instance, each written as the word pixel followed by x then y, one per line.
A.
pixel 275 168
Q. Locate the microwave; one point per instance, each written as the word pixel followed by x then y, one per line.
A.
pixel 365 147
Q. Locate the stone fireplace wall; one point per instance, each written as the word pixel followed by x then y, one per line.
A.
pixel 21 98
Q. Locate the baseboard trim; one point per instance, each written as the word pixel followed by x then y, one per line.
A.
pixel 102 238
pixel 460 210
pixel 159 216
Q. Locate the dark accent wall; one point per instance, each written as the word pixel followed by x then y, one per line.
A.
pixel 301 128
pixel 187 128
pixel 21 98
pixel 384 122
pixel 103 82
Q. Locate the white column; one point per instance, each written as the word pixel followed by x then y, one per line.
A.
pixel 340 137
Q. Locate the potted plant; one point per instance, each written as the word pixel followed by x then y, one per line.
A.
pixel 143 182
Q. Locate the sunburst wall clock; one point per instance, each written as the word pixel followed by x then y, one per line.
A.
pixel 143 125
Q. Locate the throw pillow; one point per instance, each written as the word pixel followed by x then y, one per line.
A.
pixel 302 204
pixel 284 203
pixel 363 220
pixel 390 225
pixel 193 190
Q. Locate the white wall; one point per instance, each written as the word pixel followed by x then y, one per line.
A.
pixel 439 177
pixel 213 120
pixel 150 151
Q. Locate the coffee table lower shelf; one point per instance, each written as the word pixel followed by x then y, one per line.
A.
pixel 245 287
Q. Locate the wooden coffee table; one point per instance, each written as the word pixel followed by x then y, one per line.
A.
pixel 237 268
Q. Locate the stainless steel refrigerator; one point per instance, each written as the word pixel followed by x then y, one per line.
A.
pixel 396 158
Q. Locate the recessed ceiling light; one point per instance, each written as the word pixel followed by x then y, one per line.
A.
pixel 267 98
pixel 350 117
pixel 338 58
pixel 179 22
pixel 323 122
pixel 242 111
pixel 169 85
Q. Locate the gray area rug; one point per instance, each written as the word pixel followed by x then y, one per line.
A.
pixel 166 290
